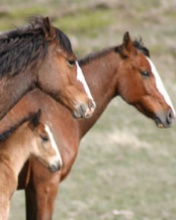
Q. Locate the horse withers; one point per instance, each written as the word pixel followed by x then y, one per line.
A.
pixel 28 138
pixel 40 55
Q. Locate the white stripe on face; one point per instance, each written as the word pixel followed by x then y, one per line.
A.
pixel 160 85
pixel 81 78
pixel 53 143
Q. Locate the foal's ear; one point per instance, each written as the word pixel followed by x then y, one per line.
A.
pixel 49 30
pixel 127 48
pixel 34 122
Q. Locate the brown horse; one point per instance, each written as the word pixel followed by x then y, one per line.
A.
pixel 41 55
pixel 28 138
pixel 124 70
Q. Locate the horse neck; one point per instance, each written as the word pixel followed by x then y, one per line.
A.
pixel 4 206
pixel 17 148
pixel 102 80
pixel 13 88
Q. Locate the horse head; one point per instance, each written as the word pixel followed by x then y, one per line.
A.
pixel 65 81
pixel 140 85
pixel 44 145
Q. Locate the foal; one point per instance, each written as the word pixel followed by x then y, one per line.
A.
pixel 27 138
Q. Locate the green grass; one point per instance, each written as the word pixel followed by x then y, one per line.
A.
pixel 24 14
pixel 18 17
pixel 85 22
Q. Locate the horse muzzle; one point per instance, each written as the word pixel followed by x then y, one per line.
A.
pixel 164 119
pixel 55 167
pixel 84 111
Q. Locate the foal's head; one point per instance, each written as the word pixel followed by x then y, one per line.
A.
pixel 44 146
pixel 140 85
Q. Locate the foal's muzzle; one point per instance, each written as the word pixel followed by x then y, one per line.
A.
pixel 55 167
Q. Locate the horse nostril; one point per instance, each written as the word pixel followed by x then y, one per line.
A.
pixel 91 104
pixel 83 108
pixel 170 117
pixel 85 111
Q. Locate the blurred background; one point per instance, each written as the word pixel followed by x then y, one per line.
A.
pixel 126 167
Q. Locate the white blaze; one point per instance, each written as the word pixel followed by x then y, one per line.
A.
pixel 81 78
pixel 53 143
pixel 160 85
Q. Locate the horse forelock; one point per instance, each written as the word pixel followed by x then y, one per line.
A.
pixel 64 41
pixel 20 47
pixel 139 45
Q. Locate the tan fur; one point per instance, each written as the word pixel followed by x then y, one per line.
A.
pixel 14 152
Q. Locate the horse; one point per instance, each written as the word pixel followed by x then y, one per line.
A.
pixel 27 138
pixel 40 55
pixel 125 70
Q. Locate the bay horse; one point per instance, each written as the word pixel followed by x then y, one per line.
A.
pixel 125 70
pixel 28 138
pixel 41 55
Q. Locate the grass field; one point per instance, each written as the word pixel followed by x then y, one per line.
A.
pixel 126 167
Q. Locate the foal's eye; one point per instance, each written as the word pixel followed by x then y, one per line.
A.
pixel 71 62
pixel 145 74
pixel 44 138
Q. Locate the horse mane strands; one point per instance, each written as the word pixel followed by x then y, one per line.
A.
pixel 87 59
pixel 139 45
pixel 7 133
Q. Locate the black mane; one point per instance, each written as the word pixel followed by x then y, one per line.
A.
pixel 138 44
pixel 7 133
pixel 95 55
pixel 26 45
pixel 64 41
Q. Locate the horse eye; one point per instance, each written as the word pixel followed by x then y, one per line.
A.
pixel 145 73
pixel 71 62
pixel 44 138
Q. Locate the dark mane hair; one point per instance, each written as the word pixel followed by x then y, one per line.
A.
pixel 94 55
pixel 139 45
pixel 26 45
pixel 64 41
pixel 7 133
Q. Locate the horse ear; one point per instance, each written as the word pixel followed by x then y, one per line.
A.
pixel 35 120
pixel 127 46
pixel 49 30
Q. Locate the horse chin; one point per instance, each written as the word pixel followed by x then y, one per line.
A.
pixel 77 115
pixel 160 123
pixel 164 119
